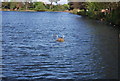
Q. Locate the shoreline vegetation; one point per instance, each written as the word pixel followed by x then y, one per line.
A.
pixel 33 10
pixel 106 12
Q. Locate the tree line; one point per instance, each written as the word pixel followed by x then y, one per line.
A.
pixel 105 11
pixel 37 6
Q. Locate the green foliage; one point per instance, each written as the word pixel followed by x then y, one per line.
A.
pixel 82 12
pixel 60 7
pixel 94 9
pixel 66 6
pixel 12 5
pixel 107 11
pixel 31 6
pixel 39 6
pixel 74 11
pixel 5 5
pixel 112 15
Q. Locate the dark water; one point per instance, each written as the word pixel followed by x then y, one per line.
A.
pixel 31 52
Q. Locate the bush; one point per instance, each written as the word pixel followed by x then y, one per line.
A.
pixel 81 12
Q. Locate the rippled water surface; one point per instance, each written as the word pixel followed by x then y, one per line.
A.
pixel 31 52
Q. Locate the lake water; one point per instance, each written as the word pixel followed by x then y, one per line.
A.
pixel 31 52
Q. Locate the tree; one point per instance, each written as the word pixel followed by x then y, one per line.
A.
pixel 52 2
pixel 5 5
pixel 12 5
pixel 66 6
pixel 39 6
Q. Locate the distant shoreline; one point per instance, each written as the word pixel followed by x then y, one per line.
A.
pixel 32 10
